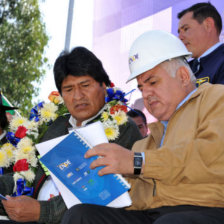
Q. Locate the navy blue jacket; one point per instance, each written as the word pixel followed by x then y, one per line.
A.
pixel 211 67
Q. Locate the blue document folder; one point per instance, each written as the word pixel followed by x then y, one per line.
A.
pixel 66 161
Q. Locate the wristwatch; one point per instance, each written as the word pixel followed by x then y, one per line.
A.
pixel 137 163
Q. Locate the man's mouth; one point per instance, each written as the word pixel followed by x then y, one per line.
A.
pixel 81 106
pixel 186 44
pixel 152 104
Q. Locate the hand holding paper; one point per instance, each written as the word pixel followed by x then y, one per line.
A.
pixel 112 156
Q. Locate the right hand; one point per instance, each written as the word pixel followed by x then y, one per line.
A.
pixel 22 208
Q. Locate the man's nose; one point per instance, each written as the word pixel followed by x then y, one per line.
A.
pixel 146 92
pixel 78 94
pixel 180 35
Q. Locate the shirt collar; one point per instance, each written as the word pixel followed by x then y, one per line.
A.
pixel 211 49
pixel 73 121
pixel 186 98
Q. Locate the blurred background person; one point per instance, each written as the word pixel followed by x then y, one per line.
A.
pixel 140 119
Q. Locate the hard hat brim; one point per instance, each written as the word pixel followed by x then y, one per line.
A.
pixel 153 65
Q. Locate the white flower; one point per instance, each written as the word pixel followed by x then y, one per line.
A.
pixel 4 162
pixel 32 125
pixel 120 117
pixel 9 149
pixel 111 130
pixel 48 112
pixel 29 175
pixel 30 157
pixel 25 145
pixel 105 116
pixel 18 121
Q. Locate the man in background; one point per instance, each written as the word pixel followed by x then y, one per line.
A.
pixel 140 119
pixel 199 28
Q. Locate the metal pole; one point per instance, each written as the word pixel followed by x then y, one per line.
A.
pixel 69 25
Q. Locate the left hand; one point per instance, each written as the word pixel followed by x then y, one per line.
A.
pixel 22 208
pixel 115 158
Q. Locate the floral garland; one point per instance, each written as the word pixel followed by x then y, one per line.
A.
pixel 25 133
pixel 114 114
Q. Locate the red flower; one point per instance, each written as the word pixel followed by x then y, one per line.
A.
pixel 112 84
pixel 21 165
pixel 116 108
pixel 21 132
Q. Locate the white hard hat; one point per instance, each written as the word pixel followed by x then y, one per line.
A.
pixel 152 48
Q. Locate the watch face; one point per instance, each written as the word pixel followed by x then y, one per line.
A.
pixel 138 162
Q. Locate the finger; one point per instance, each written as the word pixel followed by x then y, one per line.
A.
pixel 105 170
pixel 10 203
pixel 100 161
pixel 8 197
pixel 98 150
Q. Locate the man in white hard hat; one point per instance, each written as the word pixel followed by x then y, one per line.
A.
pixel 177 172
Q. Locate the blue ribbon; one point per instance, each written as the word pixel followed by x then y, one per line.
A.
pixel 1 171
pixel 34 114
pixel 22 189
pixel 10 136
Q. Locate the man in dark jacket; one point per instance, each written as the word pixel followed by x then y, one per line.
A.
pixel 82 82
pixel 199 28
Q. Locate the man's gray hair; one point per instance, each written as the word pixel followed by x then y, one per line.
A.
pixel 171 66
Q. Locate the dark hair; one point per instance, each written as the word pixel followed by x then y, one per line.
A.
pixel 79 62
pixel 203 10
pixel 137 113
pixel 3 119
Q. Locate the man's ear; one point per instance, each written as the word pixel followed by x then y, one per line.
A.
pixel 209 24
pixel 183 75
pixel 105 87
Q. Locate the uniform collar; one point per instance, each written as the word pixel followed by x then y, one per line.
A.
pixel 210 50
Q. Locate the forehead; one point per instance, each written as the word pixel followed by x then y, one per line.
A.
pixel 145 75
pixel 186 19
pixel 152 73
pixel 70 79
pixel 138 119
